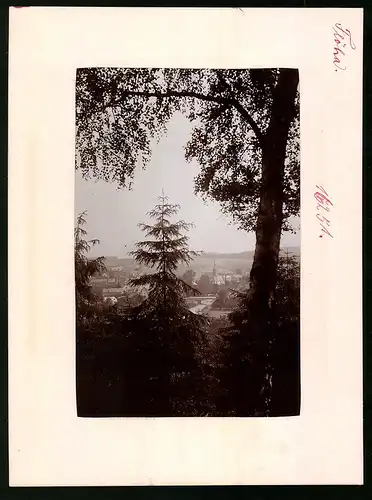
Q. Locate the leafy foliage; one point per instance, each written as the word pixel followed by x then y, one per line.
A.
pixel 226 299
pixel 288 290
pixel 246 357
pixel 85 269
pixel 119 111
pixel 97 350
pixel 189 276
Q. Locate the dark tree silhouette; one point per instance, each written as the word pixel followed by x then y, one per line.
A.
pixel 95 355
pixel 85 269
pixel 286 345
pixel 248 360
pixel 245 138
pixel 161 352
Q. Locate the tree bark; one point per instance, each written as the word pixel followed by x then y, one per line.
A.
pixel 263 274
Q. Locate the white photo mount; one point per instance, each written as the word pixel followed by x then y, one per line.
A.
pixel 49 444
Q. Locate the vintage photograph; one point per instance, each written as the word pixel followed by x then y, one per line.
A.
pixel 187 242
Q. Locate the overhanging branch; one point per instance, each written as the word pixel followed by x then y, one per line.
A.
pixel 244 113
pixel 240 108
pixel 227 101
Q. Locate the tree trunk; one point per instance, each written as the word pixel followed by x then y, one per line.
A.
pixel 268 231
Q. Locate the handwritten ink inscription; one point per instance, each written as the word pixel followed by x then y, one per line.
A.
pixel 324 204
pixel 342 40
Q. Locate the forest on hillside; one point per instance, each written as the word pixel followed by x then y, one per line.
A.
pixel 152 355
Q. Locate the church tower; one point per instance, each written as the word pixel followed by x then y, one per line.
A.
pixel 214 269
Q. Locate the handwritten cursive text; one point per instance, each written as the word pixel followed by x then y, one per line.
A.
pixel 324 204
pixel 342 40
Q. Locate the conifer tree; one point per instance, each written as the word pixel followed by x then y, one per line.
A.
pixel 162 357
pixel 164 253
pixel 85 269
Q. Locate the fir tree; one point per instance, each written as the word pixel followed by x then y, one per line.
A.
pixel 161 357
pixel 165 252
pixel 85 269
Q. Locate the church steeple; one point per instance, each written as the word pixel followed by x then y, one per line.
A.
pixel 214 269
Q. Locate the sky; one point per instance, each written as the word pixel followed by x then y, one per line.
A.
pixel 113 215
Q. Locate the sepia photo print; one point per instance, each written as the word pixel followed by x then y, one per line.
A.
pixel 187 242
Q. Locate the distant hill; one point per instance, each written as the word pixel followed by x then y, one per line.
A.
pixel 225 262
pixel 229 262
pixel 119 261
pixel 246 255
